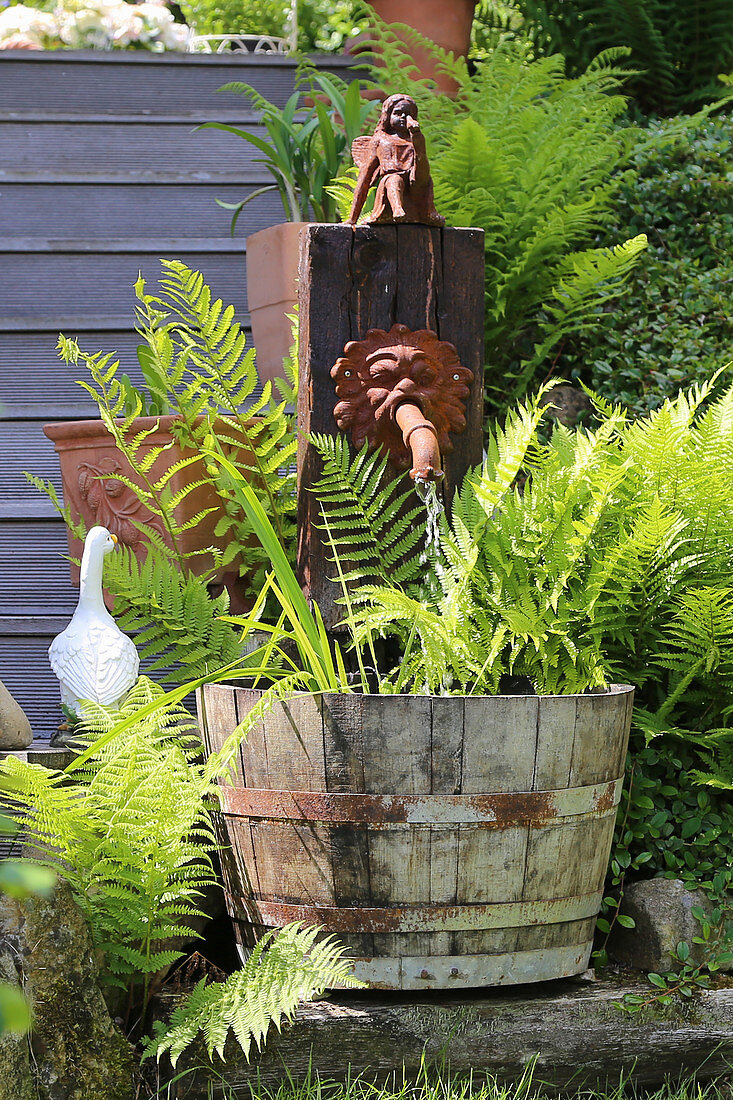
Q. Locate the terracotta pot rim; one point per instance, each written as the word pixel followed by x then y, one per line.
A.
pixel 278 227
pixel 82 431
pixel 64 430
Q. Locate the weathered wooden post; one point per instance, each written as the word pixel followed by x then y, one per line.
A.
pixel 352 280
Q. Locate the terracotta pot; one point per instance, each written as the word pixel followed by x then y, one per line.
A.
pixel 272 293
pixel 448 24
pixel 90 468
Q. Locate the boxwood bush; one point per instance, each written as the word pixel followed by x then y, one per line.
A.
pixel 673 324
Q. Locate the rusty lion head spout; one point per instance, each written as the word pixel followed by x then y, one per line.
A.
pixel 404 391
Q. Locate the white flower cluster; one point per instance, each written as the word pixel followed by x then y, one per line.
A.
pixel 93 24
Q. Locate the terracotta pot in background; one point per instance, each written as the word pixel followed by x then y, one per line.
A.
pixel 445 22
pixel 90 461
pixel 272 293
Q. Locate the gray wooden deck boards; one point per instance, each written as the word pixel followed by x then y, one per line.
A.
pixel 101 175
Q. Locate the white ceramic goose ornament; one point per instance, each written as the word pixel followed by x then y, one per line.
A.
pixel 92 659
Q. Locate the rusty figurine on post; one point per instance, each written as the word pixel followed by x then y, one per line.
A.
pixel 394 158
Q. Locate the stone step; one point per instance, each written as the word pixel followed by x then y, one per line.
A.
pixel 38 285
pixel 571 1032
pixel 99 211
pixel 139 83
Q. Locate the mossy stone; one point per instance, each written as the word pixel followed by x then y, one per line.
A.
pixel 16 1082
pixel 77 1050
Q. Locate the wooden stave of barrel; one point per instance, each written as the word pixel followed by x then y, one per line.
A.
pixel 448 842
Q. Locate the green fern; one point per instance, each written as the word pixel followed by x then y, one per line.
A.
pixel 197 352
pixel 370 525
pixel 211 377
pixel 283 970
pixel 678 48
pixel 585 282
pixel 716 754
pixel 177 626
pixel 47 488
pixel 697 645
pixel 197 362
pixel 614 558
pixel 131 834
pixel 153 491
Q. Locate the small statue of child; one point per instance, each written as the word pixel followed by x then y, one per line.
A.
pixel 394 157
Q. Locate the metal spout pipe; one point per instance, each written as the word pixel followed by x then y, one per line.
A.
pixel 422 439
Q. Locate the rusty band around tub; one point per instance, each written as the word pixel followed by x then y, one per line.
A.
pixel 498 811
pixel 430 917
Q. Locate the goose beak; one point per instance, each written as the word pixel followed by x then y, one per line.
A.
pixel 114 538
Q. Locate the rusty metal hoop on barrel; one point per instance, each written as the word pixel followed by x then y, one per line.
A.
pixel 448 842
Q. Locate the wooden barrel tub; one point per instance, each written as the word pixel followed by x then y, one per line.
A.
pixel 448 842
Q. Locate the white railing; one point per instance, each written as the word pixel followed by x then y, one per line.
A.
pixel 246 42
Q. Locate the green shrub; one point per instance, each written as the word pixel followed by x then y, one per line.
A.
pixel 325 25
pixel 668 824
pixel 673 324
pixel 669 827
pixel 237 16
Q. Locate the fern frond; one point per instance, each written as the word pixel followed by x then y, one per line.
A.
pixel 283 970
pixel 179 623
pixel 121 833
pixel 196 365
pixel 371 527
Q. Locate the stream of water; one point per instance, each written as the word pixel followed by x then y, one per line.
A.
pixel 430 557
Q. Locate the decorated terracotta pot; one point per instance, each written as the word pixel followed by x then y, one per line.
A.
pixel 91 471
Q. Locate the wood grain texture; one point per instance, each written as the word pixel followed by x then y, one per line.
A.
pixel 343 737
pixel 396 738
pixel 572 1028
pixel 355 279
pixel 253 751
pixel 293 735
pixel 499 743
pixel 446 745
pixel 380 814
pixel 598 753
pixel 217 715
pixel 462 296
pixel 325 325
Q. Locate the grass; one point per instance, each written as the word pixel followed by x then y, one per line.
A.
pixel 432 1083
